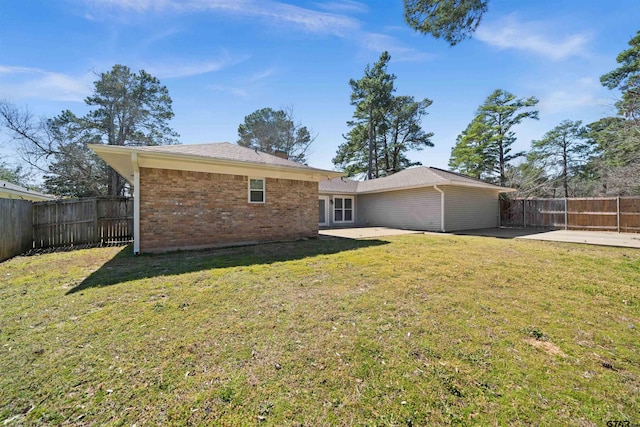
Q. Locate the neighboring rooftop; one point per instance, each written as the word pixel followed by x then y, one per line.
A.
pixel 13 191
pixel 421 176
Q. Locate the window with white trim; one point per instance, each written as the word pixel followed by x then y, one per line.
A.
pixel 256 190
pixel 343 209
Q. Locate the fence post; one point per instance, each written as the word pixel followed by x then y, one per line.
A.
pixel 566 214
pixel 524 213
pixel 618 211
pixel 96 235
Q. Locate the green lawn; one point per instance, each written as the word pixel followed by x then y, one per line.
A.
pixel 409 330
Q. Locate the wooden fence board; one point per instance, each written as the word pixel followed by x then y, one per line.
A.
pixel 102 220
pixel 15 227
pixel 604 213
pixel 630 214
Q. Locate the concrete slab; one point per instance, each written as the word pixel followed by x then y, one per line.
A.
pixel 364 232
pixel 624 240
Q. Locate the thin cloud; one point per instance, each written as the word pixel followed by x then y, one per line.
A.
pixel 262 75
pixel 377 42
pixel 237 91
pixel 332 22
pixel 306 19
pixel 179 69
pixel 345 6
pixel 573 96
pixel 25 82
pixel 510 33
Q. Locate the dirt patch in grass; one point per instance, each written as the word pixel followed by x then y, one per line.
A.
pixel 546 346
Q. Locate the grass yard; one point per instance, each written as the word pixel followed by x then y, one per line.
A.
pixel 404 331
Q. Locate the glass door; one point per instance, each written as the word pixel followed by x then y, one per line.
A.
pixel 323 211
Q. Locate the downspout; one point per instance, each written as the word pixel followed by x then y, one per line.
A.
pixel 441 207
pixel 136 204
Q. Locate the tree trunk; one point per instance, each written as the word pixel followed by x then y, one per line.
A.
pixel 113 188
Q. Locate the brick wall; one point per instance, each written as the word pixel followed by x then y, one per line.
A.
pixel 182 209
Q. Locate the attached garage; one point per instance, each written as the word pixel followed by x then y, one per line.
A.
pixel 422 198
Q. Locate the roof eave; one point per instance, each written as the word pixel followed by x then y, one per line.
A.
pixel 26 194
pixel 124 166
pixel 443 182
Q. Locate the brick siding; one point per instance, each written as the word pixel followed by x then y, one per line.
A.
pixel 183 209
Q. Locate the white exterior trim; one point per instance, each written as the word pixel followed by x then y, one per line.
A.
pixel 327 220
pixel 353 209
pixel 136 203
pixel 264 190
pixel 435 187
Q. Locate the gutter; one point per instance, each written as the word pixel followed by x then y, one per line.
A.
pixel 435 187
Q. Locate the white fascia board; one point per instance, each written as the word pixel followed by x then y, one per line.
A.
pixel 337 193
pixel 136 203
pixel 451 183
pixel 12 193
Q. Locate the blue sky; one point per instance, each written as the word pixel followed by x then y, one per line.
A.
pixel 223 59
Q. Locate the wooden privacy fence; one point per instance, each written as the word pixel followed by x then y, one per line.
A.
pixel 102 220
pixel 621 214
pixel 25 225
pixel 15 227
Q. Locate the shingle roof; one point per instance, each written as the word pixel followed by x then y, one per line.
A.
pixel 226 151
pixel 221 157
pixel 421 176
pixel 339 185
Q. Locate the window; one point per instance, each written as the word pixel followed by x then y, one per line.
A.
pixel 343 209
pixel 256 190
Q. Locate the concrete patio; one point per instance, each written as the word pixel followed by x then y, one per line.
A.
pixel 625 240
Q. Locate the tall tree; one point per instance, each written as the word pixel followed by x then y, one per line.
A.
pixel 626 78
pixel 268 130
pixel 352 156
pixel 385 127
pixel 489 137
pixel 471 153
pixel 562 151
pixel 125 109
pixel 129 109
pixel 617 139
pixel 529 179
pixel 371 95
pixel 400 131
pixel 452 20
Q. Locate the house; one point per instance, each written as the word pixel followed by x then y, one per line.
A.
pixel 13 191
pixel 208 195
pixel 420 198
